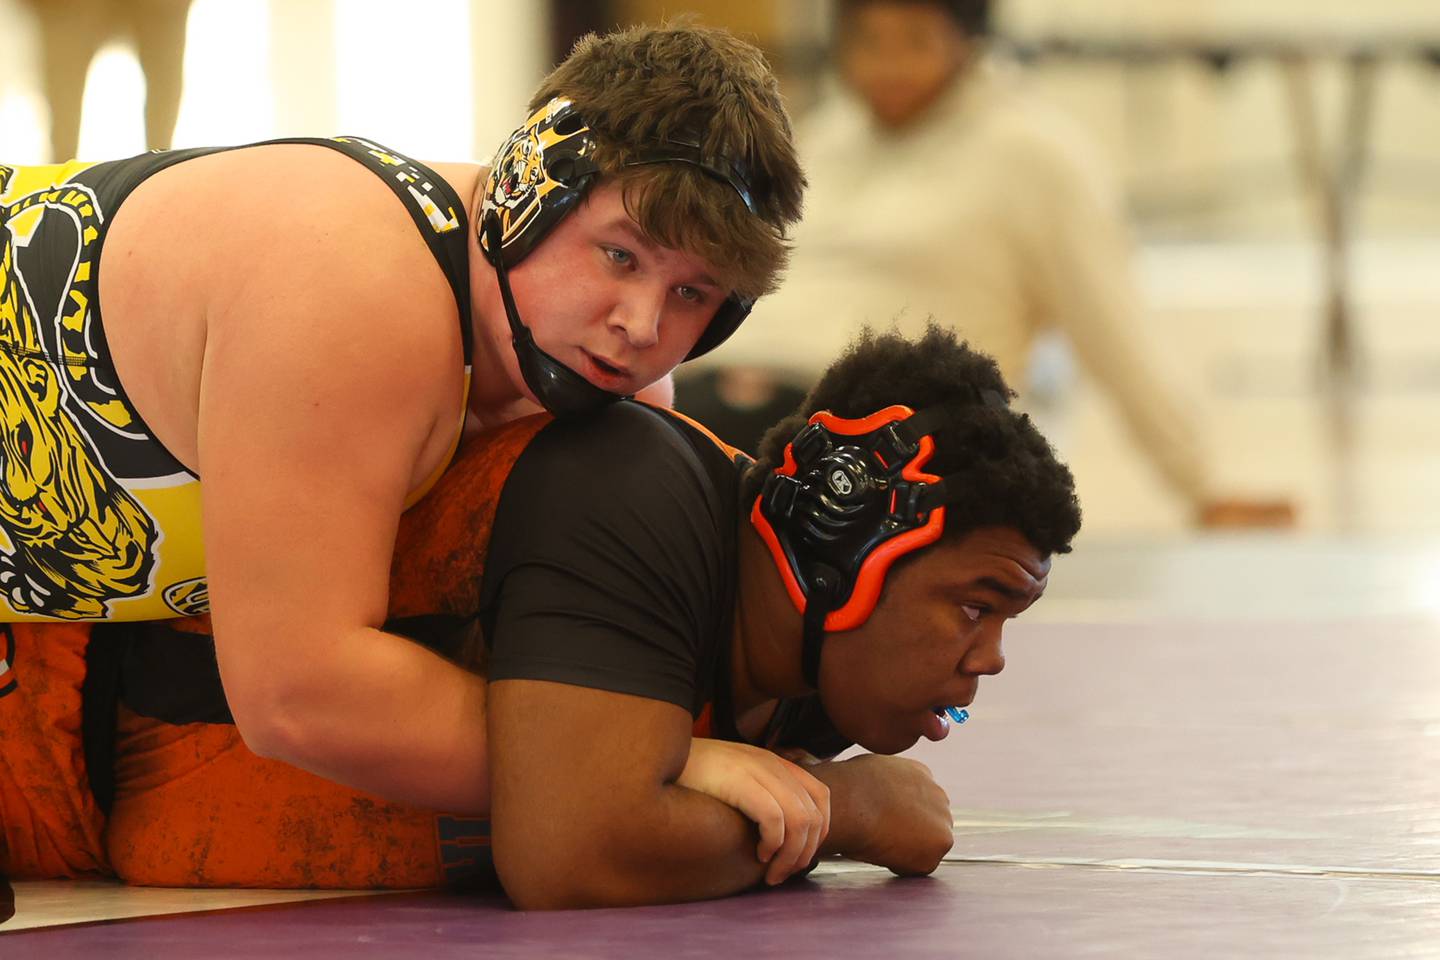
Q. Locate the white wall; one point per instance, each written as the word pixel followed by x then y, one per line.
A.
pixel 439 79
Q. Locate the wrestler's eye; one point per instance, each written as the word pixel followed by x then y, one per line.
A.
pixel 690 295
pixel 972 613
pixel 24 437
pixel 619 256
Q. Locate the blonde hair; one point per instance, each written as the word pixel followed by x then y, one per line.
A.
pixel 681 82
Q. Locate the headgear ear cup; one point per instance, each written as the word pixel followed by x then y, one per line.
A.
pixel 726 321
pixel 849 500
pixel 540 174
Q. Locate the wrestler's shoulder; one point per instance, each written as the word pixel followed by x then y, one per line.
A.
pixel 634 430
pixel 634 445
pixel 306 271
pixel 303 226
pixel 629 472
pixel 286 198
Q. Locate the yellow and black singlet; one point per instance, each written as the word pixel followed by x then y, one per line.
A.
pixel 98 521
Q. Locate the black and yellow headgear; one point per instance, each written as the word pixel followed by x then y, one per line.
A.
pixel 539 175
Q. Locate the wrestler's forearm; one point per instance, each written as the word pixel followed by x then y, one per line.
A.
pixel 684 846
pixel 887 811
pixel 387 716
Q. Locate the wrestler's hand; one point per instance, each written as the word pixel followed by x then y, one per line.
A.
pixel 790 806
pixel 888 811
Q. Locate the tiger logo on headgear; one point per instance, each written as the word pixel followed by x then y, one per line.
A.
pixel 519 173
pixel 538 174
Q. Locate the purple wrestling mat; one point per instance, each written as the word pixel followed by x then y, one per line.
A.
pixel 1141 790
pixel 980 911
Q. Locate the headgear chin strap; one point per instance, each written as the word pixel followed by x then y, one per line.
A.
pixel 849 500
pixel 559 389
pixel 540 174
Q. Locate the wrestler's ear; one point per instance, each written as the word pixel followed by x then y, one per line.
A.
pixel 40 381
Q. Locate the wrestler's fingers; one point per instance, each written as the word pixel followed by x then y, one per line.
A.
pixel 817 835
pixel 788 805
pixel 802 821
pixel 779 798
pixel 816 821
pixel 743 777
pixel 820 793
pixel 768 815
pixel 779 809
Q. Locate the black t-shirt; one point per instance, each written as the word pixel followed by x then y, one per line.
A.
pixel 612 565
pixel 612 558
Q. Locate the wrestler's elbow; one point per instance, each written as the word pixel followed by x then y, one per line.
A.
pixel 263 737
pixel 270 725
pixel 563 869
pixel 564 888
pixel 538 886
pixel 537 878
pixel 534 892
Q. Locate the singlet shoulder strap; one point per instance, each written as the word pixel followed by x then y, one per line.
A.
pixel 434 206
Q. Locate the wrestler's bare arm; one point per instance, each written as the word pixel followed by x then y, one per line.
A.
pixel 586 810
pixel 324 384
pixel 584 807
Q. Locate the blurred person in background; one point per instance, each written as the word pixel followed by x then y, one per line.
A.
pixel 940 188
pixel 72 32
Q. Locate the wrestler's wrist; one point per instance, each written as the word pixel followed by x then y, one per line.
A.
pixel 848 810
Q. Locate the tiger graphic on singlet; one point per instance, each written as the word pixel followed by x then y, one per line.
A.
pixel 77 539
pixel 98 521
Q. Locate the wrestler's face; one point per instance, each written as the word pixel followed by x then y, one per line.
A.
pixel 607 302
pixel 935 632
pixel 898 56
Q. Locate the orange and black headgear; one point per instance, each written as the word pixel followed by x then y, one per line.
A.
pixel 851 498
pixel 540 174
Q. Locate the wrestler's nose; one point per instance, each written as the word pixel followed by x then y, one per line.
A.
pixel 986 656
pixel 637 315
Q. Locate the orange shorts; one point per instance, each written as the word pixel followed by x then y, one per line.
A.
pixel 195 808
pixel 192 805
pixel 50 825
